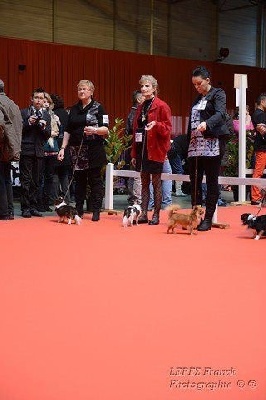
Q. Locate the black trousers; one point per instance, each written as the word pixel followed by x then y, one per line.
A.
pixel 6 190
pixel 91 177
pixel 46 196
pixel 211 167
pixel 30 168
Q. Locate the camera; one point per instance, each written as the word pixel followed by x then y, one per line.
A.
pixel 41 123
pixel 38 120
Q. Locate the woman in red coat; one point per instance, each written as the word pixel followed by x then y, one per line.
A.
pixel 151 141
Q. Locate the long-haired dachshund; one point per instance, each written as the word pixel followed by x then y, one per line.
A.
pixel 186 221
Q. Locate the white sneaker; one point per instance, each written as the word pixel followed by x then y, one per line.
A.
pixel 179 193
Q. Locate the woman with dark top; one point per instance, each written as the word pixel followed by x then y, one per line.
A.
pixel 207 131
pixel 85 132
pixel 151 141
pixel 62 168
pixel 46 191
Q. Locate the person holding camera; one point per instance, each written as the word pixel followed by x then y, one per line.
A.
pixel 36 131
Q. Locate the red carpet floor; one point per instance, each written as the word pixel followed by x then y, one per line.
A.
pixel 99 312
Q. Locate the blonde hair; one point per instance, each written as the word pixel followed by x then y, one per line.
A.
pixel 49 99
pixel 151 80
pixel 87 83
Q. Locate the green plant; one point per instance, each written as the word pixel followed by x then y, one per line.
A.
pixel 117 143
pixel 232 154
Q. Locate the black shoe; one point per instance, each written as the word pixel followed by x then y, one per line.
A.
pixel 11 216
pixel 35 213
pixel 95 216
pixel 143 219
pixel 255 203
pixel 154 220
pixel 26 214
pixel 205 225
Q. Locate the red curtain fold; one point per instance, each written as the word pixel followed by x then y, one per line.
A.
pixel 58 68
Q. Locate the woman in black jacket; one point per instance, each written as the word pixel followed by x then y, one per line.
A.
pixel 206 134
pixel 85 134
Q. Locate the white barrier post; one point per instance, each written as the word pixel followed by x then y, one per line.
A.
pixel 241 84
pixel 109 184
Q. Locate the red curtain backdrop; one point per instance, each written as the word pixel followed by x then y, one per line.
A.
pixel 58 68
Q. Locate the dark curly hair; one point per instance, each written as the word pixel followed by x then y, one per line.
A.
pixel 201 71
pixel 57 100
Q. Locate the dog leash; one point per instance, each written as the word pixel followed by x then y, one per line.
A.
pixel 196 182
pixel 262 201
pixel 74 168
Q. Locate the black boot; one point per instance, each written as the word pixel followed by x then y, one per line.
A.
pixel 155 220
pixel 157 190
pixel 205 225
pixel 143 219
pixel 95 215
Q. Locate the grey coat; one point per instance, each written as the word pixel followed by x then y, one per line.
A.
pixel 10 129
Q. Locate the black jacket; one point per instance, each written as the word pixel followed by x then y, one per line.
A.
pixel 91 115
pixel 63 117
pixel 213 115
pixel 34 136
pixel 259 117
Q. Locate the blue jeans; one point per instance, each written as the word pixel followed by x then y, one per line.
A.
pixel 166 188
pixel 176 165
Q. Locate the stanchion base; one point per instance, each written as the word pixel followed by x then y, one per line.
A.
pixel 221 225
pixel 111 212
pixel 240 203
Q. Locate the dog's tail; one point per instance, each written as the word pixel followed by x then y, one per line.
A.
pixel 172 208
pixel 77 219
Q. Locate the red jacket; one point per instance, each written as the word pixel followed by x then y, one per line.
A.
pixel 158 138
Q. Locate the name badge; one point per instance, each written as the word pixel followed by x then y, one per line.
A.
pixel 105 119
pixel 138 136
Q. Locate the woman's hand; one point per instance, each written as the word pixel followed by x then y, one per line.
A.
pixel 133 162
pixel 202 126
pixel 150 125
pixel 90 130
